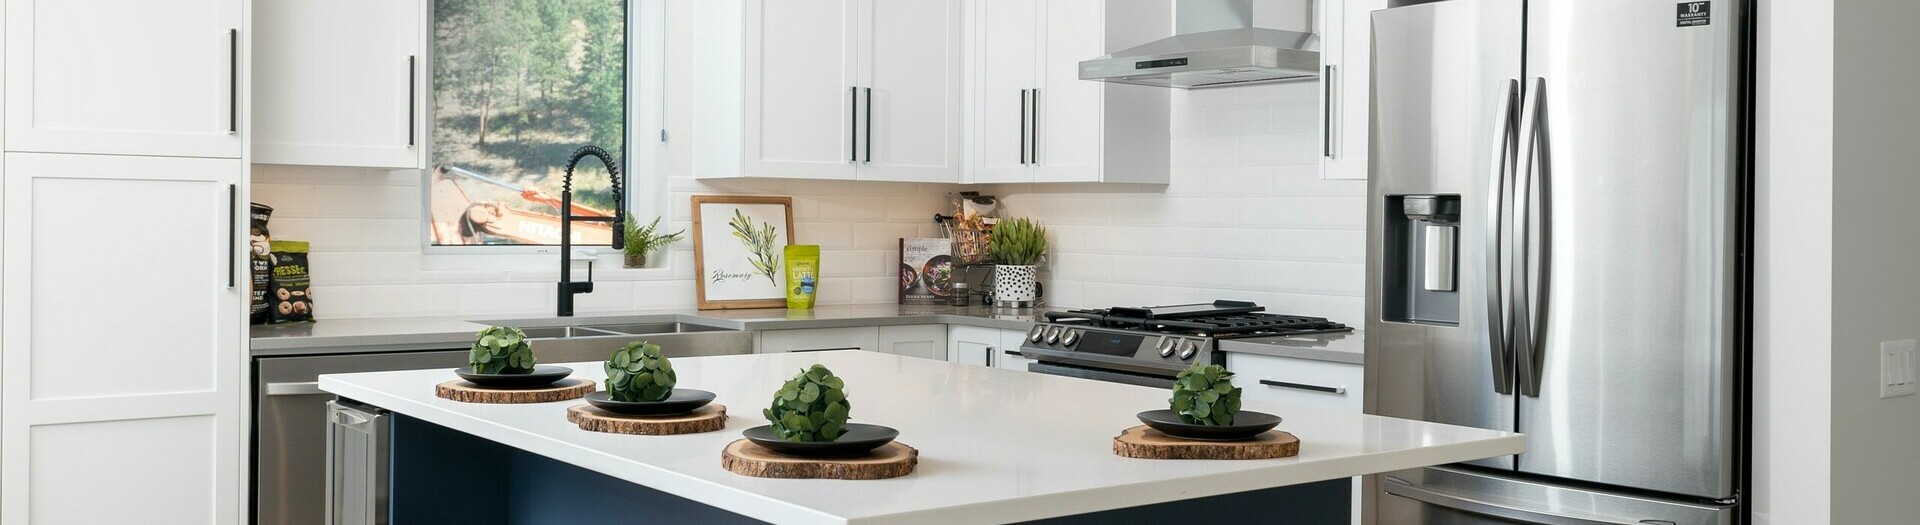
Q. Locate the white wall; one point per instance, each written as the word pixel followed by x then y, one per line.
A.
pixel 1793 270
pixel 1876 257
pixel 1245 216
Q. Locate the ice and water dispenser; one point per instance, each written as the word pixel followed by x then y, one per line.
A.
pixel 1421 259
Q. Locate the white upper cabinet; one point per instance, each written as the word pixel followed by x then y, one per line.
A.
pixel 828 89
pixel 125 77
pixel 327 96
pixel 910 58
pixel 1346 37
pixel 1034 120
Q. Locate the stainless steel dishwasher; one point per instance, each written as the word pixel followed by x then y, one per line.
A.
pixel 291 414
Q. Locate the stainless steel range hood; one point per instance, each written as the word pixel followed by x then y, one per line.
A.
pixel 1203 55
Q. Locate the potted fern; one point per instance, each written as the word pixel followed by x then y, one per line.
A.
pixel 1017 246
pixel 643 240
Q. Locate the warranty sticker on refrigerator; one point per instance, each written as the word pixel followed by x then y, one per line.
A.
pixel 1693 14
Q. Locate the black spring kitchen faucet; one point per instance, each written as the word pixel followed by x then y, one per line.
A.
pixel 619 220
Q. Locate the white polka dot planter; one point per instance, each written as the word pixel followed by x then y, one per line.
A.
pixel 1015 286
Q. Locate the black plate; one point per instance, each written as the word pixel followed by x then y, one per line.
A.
pixel 542 375
pixel 683 400
pixel 1246 425
pixel 858 439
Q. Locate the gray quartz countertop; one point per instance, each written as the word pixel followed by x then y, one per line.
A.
pixel 1340 348
pixel 421 333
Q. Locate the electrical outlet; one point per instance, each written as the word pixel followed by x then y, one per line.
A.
pixel 1897 368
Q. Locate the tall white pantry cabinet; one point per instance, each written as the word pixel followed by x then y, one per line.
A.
pixel 122 295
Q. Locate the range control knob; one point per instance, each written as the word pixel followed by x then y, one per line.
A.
pixel 1072 337
pixel 1038 332
pixel 1188 350
pixel 1165 347
pixel 1053 334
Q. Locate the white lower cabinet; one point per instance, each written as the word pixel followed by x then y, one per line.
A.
pixel 993 347
pixel 120 362
pixel 928 341
pixel 817 339
pixel 1309 383
pixel 925 341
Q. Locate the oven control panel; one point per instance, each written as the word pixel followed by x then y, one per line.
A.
pixel 1166 350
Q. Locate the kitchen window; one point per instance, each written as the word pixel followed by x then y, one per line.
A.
pixel 517 85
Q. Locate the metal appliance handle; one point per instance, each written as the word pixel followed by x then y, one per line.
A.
pixel 869 125
pixel 1326 112
pixel 1497 324
pixel 853 124
pixel 233 81
pixel 1023 126
pixel 1341 390
pixel 413 74
pixel 1099 375
pixel 308 388
pixel 1398 487
pixel 1527 322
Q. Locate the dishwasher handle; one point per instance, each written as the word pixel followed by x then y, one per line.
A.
pixel 308 388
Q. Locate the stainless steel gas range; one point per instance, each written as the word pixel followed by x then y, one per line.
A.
pixel 1150 345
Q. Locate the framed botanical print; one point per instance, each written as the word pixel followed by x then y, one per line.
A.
pixel 737 245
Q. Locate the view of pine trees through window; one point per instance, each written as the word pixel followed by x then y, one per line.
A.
pixel 517 86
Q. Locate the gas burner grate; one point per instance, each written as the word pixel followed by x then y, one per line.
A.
pixel 1220 320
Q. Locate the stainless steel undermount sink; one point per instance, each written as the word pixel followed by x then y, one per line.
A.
pixel 652 328
pixel 560 344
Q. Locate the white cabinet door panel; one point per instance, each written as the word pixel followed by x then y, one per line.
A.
pixel 1069 127
pixel 910 57
pixel 126 77
pixel 1008 354
pixel 1005 35
pixel 926 341
pixel 79 426
pixel 1299 382
pixel 327 97
pixel 799 73
pixel 972 345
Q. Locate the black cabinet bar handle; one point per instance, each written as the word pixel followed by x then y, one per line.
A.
pixel 853 124
pixel 1010 352
pixel 1303 386
pixel 1023 126
pixel 1034 117
pixel 1326 112
pixel 413 78
pixel 869 125
pixel 233 81
pixel 233 233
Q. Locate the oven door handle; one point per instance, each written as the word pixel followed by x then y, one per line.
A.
pixel 1099 375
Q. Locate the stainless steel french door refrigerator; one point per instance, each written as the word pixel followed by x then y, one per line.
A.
pixel 1557 239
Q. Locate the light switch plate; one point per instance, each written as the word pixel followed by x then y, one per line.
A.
pixel 1897 376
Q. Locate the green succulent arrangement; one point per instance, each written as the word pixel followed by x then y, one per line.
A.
pixel 642 240
pixel 1017 241
pixel 501 350
pixel 637 372
pixel 1205 395
pixel 811 407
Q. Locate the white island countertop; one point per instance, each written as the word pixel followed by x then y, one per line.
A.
pixel 995 445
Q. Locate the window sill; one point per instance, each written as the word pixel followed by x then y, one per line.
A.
pixel 543 268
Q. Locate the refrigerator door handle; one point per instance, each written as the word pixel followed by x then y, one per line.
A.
pixel 1496 192
pixel 1398 487
pixel 1529 315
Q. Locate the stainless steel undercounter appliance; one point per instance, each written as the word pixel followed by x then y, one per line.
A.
pixel 1558 245
pixel 1149 346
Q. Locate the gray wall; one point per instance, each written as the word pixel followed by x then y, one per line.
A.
pixel 1876 256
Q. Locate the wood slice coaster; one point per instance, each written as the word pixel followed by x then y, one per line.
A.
pixel 462 391
pixel 704 419
pixel 891 460
pixel 1146 443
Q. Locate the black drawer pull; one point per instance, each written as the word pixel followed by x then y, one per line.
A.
pixel 1303 386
